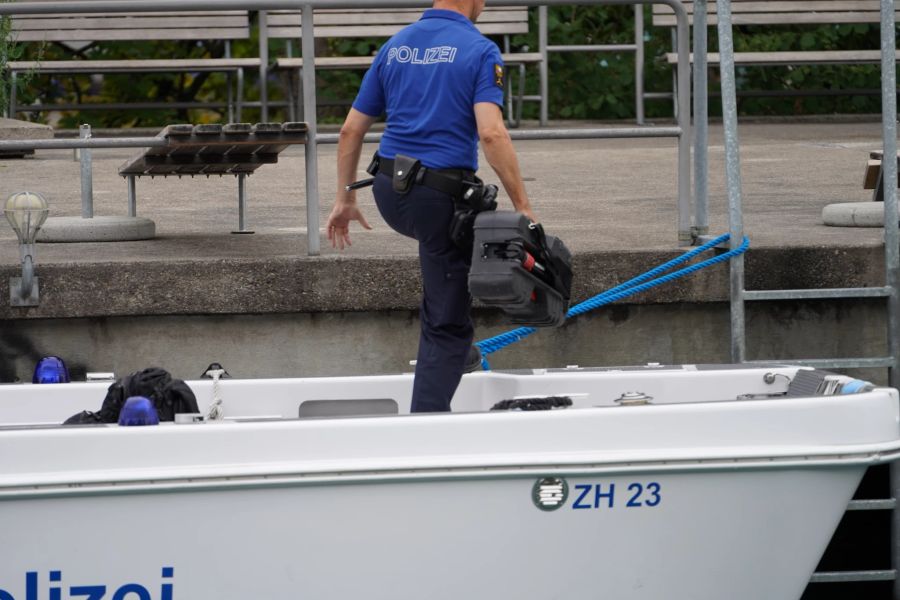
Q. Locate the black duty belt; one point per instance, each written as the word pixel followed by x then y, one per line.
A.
pixel 449 181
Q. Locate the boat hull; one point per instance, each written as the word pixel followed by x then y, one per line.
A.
pixel 685 536
pixel 685 499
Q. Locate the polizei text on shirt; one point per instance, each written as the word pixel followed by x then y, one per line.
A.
pixel 422 56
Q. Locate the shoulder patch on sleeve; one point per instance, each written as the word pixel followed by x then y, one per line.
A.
pixel 498 75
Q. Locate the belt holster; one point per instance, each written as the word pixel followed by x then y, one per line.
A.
pixel 476 198
pixel 372 169
pixel 405 173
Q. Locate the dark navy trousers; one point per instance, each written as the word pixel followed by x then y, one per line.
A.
pixel 424 214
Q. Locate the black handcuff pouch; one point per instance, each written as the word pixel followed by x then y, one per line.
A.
pixel 405 170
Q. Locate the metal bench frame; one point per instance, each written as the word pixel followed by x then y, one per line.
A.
pixel 377 23
pixel 776 13
pixel 124 26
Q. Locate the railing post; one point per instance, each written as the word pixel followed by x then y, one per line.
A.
pixel 701 123
pixel 264 66
pixel 87 184
pixel 733 176
pixel 132 196
pixel 891 239
pixel 308 52
pixel 639 63
pixel 542 70
pixel 229 80
pixel 683 117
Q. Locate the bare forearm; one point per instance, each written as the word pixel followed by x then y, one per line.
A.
pixel 501 156
pixel 349 151
pixel 350 144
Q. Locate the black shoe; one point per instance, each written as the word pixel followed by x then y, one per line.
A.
pixel 473 361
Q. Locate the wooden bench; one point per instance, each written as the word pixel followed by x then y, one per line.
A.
pixel 383 23
pixel 776 13
pixel 123 27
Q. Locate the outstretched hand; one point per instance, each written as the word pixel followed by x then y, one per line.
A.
pixel 338 226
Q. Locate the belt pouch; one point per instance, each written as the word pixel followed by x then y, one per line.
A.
pixel 461 229
pixel 404 174
pixel 372 169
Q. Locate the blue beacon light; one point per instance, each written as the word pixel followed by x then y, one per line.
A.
pixel 50 369
pixel 138 410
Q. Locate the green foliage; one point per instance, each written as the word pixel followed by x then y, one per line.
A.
pixel 143 87
pixel 11 51
pixel 588 85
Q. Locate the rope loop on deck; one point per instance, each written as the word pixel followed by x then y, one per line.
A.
pixel 641 283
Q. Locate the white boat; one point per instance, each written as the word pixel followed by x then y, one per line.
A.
pixel 674 483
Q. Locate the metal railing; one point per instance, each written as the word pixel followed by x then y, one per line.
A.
pixel 682 130
pixel 545 48
pixel 891 241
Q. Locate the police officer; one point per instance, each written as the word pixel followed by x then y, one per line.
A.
pixel 441 84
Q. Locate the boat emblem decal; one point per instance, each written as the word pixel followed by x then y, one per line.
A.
pixel 549 493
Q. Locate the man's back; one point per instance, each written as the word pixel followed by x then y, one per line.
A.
pixel 428 78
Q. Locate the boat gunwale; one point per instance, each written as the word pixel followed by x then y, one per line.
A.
pixel 804 458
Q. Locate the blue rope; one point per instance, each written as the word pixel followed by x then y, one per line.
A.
pixel 640 283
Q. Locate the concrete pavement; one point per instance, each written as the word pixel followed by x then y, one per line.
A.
pixel 612 201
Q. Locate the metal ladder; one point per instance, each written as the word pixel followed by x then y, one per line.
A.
pixel 739 295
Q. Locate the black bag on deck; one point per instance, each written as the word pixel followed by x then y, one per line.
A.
pixel 169 396
pixel 519 269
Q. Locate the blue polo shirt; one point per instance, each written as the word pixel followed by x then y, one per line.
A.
pixel 428 78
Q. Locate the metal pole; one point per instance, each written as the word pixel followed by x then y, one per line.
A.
pixel 639 62
pixel 593 48
pixel 264 65
pixel 674 74
pixel 733 177
pixel 28 273
pixel 13 87
pixel 132 196
pixel 891 239
pixel 242 201
pixel 308 52
pixel 240 94
pixel 542 67
pixel 229 78
pixel 76 143
pixel 242 204
pixel 229 95
pixel 683 117
pixel 701 123
pixel 87 184
pixel 889 169
pixel 548 134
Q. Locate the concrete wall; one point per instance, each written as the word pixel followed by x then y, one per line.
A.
pixel 314 344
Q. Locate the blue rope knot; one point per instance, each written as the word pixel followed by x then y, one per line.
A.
pixel 641 283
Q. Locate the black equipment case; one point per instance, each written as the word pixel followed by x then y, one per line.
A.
pixel 519 269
